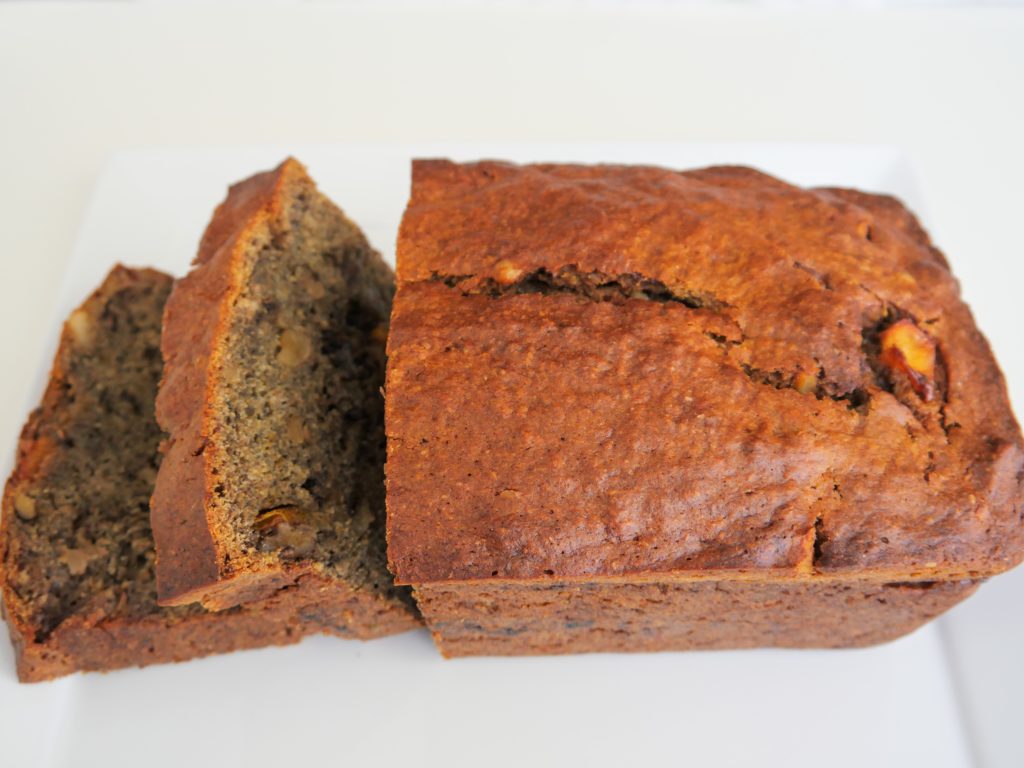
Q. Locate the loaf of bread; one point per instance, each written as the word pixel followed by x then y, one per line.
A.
pixel 272 482
pixel 76 550
pixel 635 409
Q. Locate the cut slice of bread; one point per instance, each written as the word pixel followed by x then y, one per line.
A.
pixel 273 344
pixel 76 550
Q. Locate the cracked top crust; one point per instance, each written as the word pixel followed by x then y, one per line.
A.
pixel 616 371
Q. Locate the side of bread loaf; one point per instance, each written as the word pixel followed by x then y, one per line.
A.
pixel 558 617
pixel 274 359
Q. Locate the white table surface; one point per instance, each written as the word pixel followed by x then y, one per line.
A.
pixel 79 81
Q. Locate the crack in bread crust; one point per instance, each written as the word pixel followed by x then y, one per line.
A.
pixel 597 286
pixel 592 285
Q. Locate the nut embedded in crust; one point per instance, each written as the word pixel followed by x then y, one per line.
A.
pixel 805 383
pixel 507 272
pixel 910 352
pixel 82 328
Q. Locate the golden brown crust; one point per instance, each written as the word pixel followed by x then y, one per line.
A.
pixel 607 438
pixel 188 564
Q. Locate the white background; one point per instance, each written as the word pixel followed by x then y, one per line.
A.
pixel 82 80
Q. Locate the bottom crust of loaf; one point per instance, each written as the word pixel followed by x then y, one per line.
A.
pixel 101 644
pixel 504 619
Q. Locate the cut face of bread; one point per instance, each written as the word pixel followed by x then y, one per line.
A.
pixel 78 578
pixel 76 536
pixel 274 360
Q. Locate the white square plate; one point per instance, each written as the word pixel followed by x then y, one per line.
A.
pixel 395 701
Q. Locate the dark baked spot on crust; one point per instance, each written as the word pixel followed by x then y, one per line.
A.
pixel 856 399
pixel 723 341
pixel 921 585
pixel 820 538
pixel 942 384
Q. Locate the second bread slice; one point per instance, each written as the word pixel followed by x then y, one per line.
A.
pixel 274 358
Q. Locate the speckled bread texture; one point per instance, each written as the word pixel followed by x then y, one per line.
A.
pixel 630 408
pixel 272 482
pixel 76 550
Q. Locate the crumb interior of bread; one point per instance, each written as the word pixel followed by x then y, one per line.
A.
pixel 79 539
pixel 299 411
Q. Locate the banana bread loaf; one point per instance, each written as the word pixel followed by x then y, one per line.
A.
pixel 630 408
pixel 76 550
pixel 272 481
